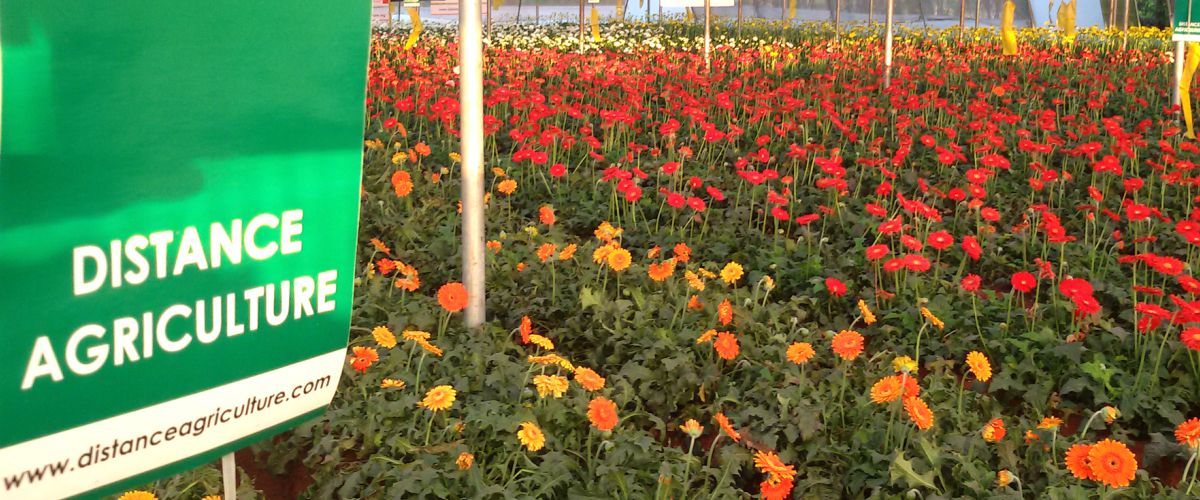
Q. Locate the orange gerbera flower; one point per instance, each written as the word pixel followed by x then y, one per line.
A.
pixel 439 398
pixel 603 413
pixel 402 183
pixel 385 266
pixel 550 385
pixel 546 251
pixel 380 246
pixel 769 463
pixel 1078 461
pixel 1112 463
pixel 723 423
pixel 725 312
pixel 662 271
pixel 507 187
pixel 1049 423
pixel 384 337
pixel 452 297
pixel 589 379
pixel 994 431
pixel 867 315
pixel 546 215
pixel 682 252
pixel 800 352
pixel 363 358
pixel 775 491
pixel 919 412
pixel 526 329
pixel 707 336
pixel 567 252
pixel 848 344
pixel 979 365
pixel 464 460
pixel 726 345
pixel 1188 433
pixel 695 304
pixel 531 437
pixel 618 259
pixel 887 389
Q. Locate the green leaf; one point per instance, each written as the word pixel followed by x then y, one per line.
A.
pixel 902 468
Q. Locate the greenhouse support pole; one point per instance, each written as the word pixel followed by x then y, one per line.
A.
pixel 489 17
pixel 739 27
pixel 962 17
pixel 837 19
pixel 1125 27
pixel 470 101
pixel 229 476
pixel 977 5
pixel 887 46
pixel 581 28
pixel 707 36
pixel 871 13
pixel 1177 74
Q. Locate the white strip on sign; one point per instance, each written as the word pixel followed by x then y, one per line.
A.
pixel 87 457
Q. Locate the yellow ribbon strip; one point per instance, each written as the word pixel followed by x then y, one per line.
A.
pixel 1185 85
pixel 595 24
pixel 414 13
pixel 1066 21
pixel 1008 36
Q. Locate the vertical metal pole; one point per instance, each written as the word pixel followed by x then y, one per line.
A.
pixel 977 6
pixel 871 13
pixel 739 27
pixel 837 19
pixel 707 40
pixel 489 17
pixel 1177 75
pixel 1112 13
pixel 887 46
pixel 470 102
pixel 581 29
pixel 229 476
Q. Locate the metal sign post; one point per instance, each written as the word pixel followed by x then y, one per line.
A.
pixel 1177 74
pixel 887 46
pixel 229 476
pixel 470 99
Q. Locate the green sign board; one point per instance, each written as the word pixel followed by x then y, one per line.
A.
pixel 1186 25
pixel 179 189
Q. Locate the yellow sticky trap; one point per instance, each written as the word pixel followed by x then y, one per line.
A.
pixel 414 13
pixel 595 24
pixel 1190 62
pixel 497 4
pixel 1008 36
pixel 791 10
pixel 687 15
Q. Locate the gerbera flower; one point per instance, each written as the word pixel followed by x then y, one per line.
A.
pixel 553 385
pixel 552 359
pixel 919 412
pixel 1003 478
pixel 835 286
pixel 1190 337
pixel 138 495
pixel 363 358
pixel 415 335
pixel 723 423
pixel 380 246
pixel 531 436
pixel 603 413
pixel 1188 433
pixel 775 491
pixel 769 463
pixel 568 252
pixel 682 252
pixel 1023 281
pixel 979 365
pixel 661 271
pixel 694 281
pixel 933 320
pixel 887 389
pixel 606 232
pixel 692 428
pixel 1111 414
pixel 707 336
pixel 541 341
pixel 439 398
pixel 848 344
pixel 545 251
pixel 589 379
pixel 994 431
pixel 618 259
pixel 525 329
pixel 1049 423
pixel 726 345
pixel 731 272
pixel 464 461
pixel 507 187
pixel 546 215
pixel 1112 463
pixel 1078 461
pixel 725 312
pixel 800 352
pixel 391 383
pixel 867 315
pixel 402 183
pixel 430 348
pixel 384 337
pixel 452 297
pixel 904 364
